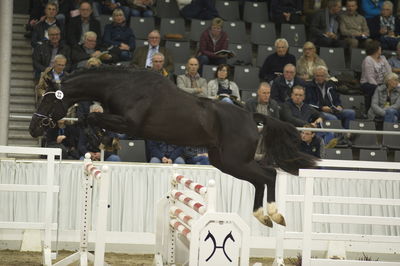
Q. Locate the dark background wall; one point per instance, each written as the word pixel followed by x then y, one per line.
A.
pixel 21 6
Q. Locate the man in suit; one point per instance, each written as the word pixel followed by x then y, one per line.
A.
pixel 282 85
pixel 142 57
pixel 324 28
pixel 79 25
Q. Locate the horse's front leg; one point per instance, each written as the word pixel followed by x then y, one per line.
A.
pixel 271 204
pixel 111 122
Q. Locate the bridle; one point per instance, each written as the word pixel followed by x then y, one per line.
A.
pixel 47 120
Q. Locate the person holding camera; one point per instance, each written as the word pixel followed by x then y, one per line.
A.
pixel 322 95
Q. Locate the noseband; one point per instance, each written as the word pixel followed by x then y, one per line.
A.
pixel 47 120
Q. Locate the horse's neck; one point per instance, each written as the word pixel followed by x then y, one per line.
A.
pixel 74 95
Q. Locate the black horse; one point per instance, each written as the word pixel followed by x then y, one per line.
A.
pixel 142 103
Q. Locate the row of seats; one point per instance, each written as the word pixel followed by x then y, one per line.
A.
pixel 365 155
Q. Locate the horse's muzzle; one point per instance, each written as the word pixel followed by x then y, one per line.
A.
pixel 35 128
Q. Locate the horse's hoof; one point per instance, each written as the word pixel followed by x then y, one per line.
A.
pixel 264 219
pixel 278 218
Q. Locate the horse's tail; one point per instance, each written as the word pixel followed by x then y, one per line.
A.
pixel 281 142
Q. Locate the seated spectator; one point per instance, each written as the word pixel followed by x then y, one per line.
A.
pixel 119 35
pixel 107 7
pixel 324 28
pixel 282 85
pixel 321 94
pixel 311 143
pixel 394 61
pixel 212 40
pixel 263 103
pixel 353 26
pixel 274 63
pixel 40 30
pixel 92 138
pixel 221 87
pixel 385 27
pixel 299 114
pixel 79 25
pixel 88 49
pixel 43 55
pixel 55 74
pixel 373 70
pixel 386 100
pixel 143 55
pixel 197 9
pixel 191 82
pixel 312 6
pixel 158 66
pixel 161 152
pixel 370 8
pixel 141 8
pixel 196 155
pixel 65 137
pixel 308 61
pixel 288 11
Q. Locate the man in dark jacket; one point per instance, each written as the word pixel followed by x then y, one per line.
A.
pixel 321 94
pixel 311 143
pixel 282 85
pixel 81 24
pixel 43 55
pixel 263 103
pixel 161 152
pixel 324 28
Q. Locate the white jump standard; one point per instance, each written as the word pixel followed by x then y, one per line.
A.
pixel 190 232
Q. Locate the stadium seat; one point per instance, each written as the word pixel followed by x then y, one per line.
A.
pixel 246 77
pixel 296 51
pixel 141 43
pixel 104 20
pixel 179 68
pixel 255 12
pixel 243 54
pixel 364 141
pixel 197 27
pixel 263 51
pixel 263 33
pixel 339 154
pixel 355 102
pixel 333 57
pixel 228 10
pixel 356 59
pixel 180 51
pixel 132 151
pixel 373 155
pixel 142 26
pixel 295 34
pixel 391 141
pixel 209 72
pixel 174 26
pixel 236 31
pixel 167 9
pixel 246 95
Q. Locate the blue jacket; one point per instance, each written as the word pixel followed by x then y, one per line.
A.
pixel 314 95
pixel 117 34
pixel 161 149
pixel 370 9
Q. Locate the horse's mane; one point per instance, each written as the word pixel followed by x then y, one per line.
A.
pixel 101 69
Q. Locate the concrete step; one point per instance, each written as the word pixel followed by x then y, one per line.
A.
pixel 19 134
pixel 22 67
pixel 22 43
pixel 18 28
pixel 21 75
pixel 23 59
pixel 22 83
pixel 21 51
pixel 18 36
pixel 16 91
pixel 15 124
pixel 24 143
pixel 28 100
pixel 21 109
pixel 20 21
pixel 21 16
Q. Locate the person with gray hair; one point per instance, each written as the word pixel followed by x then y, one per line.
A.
pixel 385 27
pixel 385 102
pixel 263 103
pixel 274 63
pixel 324 27
pixel 322 95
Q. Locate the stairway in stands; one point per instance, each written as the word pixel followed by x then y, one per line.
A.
pixel 22 94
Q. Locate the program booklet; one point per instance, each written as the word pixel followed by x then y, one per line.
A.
pixel 228 52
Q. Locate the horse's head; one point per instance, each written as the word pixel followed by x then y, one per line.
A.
pixel 50 110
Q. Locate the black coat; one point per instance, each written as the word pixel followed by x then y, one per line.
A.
pixel 74 30
pixel 314 148
pixel 280 91
pixel 298 117
pixel 38 33
pixel 274 63
pixel 273 107
pixel 374 27
pixel 41 56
